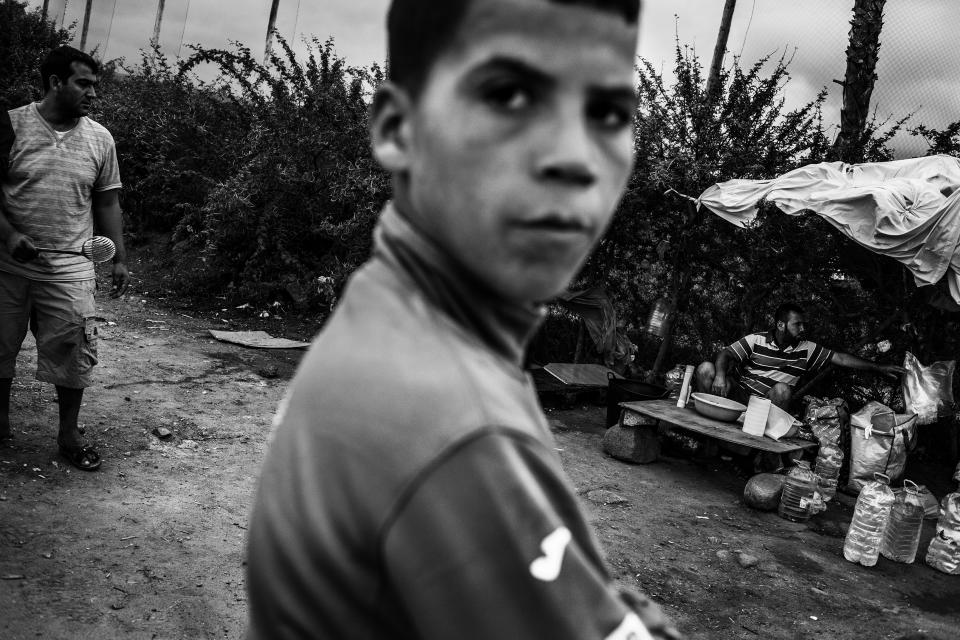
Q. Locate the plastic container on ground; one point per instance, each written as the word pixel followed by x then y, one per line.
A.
pixel 943 553
pixel 902 535
pixel 869 521
pixel 827 469
pixel 797 497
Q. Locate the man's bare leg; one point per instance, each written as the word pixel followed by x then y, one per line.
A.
pixel 780 394
pixel 5 384
pixel 703 377
pixel 69 401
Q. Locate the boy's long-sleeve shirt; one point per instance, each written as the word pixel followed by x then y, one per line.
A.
pixel 412 487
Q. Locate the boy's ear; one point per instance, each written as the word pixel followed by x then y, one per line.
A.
pixel 390 127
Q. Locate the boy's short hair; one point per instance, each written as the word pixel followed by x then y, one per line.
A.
pixel 58 63
pixel 784 310
pixel 418 31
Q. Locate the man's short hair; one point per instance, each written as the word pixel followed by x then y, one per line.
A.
pixel 58 63
pixel 784 310
pixel 418 31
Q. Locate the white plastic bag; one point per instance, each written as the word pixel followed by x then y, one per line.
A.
pixel 927 391
pixel 879 440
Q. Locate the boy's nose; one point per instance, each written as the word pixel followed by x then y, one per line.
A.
pixel 568 154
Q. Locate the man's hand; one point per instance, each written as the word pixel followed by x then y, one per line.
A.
pixel 21 247
pixel 121 280
pixel 891 370
pixel 719 387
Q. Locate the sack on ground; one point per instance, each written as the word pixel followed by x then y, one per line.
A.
pixel 879 441
pixel 927 391
pixel 826 418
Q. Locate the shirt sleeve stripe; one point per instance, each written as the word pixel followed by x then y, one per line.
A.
pixel 630 629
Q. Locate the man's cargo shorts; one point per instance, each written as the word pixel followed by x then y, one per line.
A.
pixel 61 317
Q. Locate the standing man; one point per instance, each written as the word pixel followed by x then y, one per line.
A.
pixel 412 488
pixel 61 182
pixel 771 362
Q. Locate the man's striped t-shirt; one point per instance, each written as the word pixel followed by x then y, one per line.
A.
pixel 48 191
pixel 763 363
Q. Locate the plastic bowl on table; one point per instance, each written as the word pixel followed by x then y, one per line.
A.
pixel 717 407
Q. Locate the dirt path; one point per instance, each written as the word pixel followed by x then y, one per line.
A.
pixel 151 546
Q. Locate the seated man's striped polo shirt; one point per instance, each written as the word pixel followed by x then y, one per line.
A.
pixel 763 363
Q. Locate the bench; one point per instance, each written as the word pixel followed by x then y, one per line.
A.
pixel 649 417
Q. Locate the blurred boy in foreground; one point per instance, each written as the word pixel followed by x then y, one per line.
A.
pixel 412 488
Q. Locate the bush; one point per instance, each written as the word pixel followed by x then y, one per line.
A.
pixel 175 136
pixel 296 214
pixel 25 39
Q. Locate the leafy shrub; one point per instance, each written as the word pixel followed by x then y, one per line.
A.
pixel 24 41
pixel 298 208
pixel 175 136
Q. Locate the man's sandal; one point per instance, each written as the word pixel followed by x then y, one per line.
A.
pixel 84 457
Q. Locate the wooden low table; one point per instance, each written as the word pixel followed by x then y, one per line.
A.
pixel 650 414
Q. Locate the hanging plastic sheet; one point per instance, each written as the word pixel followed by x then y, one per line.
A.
pixel 593 305
pixel 908 210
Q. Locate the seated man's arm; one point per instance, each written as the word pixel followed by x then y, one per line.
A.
pixel 492 544
pixel 725 359
pixel 853 362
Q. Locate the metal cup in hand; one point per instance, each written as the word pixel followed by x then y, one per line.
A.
pixel 96 249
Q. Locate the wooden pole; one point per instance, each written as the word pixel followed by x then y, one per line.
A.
pixel 721 47
pixel 271 24
pixel 155 41
pixel 86 25
pixel 43 12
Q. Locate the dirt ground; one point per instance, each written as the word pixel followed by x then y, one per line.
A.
pixel 151 546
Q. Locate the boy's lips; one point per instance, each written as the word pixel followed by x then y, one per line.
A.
pixel 556 223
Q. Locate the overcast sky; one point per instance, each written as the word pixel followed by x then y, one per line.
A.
pixel 917 71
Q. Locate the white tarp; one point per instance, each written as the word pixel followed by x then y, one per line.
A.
pixel 908 210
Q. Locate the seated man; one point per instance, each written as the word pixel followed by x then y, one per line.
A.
pixel 772 362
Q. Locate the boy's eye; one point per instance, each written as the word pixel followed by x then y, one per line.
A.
pixel 609 115
pixel 508 96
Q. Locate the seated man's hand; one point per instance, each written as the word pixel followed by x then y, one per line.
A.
pixel 21 247
pixel 719 387
pixel 891 370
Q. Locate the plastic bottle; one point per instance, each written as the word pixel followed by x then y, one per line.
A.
pixel 797 496
pixel 673 379
pixel 827 468
pixel 902 535
pixel 943 553
pixel 656 324
pixel 869 521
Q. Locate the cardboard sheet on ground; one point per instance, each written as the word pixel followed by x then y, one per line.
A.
pixel 257 339
pixel 593 375
pixel 908 209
